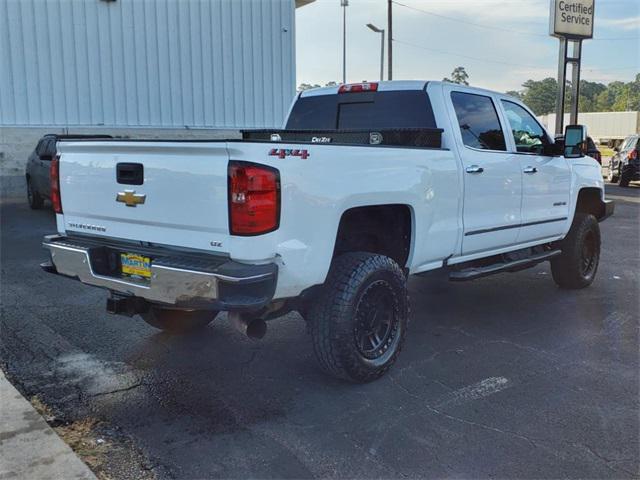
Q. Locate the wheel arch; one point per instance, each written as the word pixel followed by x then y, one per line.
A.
pixel 375 229
pixel 590 200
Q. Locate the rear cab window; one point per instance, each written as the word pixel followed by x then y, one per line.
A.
pixel 387 109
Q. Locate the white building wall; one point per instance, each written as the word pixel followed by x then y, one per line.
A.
pixel 146 63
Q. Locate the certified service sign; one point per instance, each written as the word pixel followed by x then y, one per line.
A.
pixel 571 18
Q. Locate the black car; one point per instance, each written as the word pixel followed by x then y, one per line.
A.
pixel 38 181
pixel 625 164
pixel 592 150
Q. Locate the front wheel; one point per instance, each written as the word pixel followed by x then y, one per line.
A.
pixel 576 267
pixel 178 321
pixel 612 176
pixel 359 320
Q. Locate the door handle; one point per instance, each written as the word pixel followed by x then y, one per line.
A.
pixel 530 170
pixel 474 169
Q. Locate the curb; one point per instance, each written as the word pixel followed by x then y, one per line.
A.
pixel 29 447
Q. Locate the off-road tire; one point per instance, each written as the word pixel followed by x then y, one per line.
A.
pixel 36 202
pixel 178 321
pixel 576 267
pixel 336 316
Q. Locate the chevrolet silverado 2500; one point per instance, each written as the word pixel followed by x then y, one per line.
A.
pixel 365 185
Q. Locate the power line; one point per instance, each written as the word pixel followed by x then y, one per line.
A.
pixel 500 62
pixel 467 22
pixel 492 27
pixel 466 56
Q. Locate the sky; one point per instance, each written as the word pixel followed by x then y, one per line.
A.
pixel 501 43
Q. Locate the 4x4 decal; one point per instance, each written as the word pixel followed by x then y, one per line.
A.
pixel 289 152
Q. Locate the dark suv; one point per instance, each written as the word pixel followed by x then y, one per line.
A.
pixel 38 182
pixel 625 164
pixel 592 150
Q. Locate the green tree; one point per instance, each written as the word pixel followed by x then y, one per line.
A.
pixel 307 86
pixel 628 97
pixel 540 95
pixel 589 92
pixel 459 75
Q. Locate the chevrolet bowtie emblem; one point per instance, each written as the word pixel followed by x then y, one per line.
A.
pixel 130 198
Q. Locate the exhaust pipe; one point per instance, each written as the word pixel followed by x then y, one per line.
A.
pixel 252 327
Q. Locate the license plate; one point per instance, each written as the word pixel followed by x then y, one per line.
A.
pixel 135 265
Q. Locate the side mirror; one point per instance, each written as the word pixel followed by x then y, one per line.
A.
pixel 575 141
pixel 555 149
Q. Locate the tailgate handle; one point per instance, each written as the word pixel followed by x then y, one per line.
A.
pixel 130 173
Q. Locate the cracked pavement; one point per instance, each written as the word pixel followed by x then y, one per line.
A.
pixel 505 377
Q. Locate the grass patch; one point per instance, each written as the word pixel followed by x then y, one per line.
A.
pixel 80 436
pixel 606 151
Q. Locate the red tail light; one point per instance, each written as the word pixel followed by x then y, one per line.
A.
pixel 254 198
pixel 358 87
pixel 54 175
pixel 633 154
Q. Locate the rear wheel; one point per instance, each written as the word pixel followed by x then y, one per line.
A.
pixel 35 200
pixel 178 321
pixel 359 320
pixel 576 267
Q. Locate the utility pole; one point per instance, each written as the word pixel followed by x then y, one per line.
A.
pixel 390 39
pixel 372 27
pixel 344 4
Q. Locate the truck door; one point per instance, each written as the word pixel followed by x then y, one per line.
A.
pixel 492 177
pixel 546 180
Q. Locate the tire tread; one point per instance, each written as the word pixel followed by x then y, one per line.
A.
pixel 346 276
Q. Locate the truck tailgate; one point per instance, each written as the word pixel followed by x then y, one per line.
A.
pixel 182 200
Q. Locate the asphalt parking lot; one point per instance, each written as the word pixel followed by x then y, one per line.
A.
pixel 504 377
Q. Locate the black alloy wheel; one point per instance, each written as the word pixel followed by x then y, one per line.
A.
pixel 376 322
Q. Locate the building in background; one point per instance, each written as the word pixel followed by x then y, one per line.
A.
pixel 139 67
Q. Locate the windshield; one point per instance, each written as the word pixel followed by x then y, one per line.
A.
pixel 363 111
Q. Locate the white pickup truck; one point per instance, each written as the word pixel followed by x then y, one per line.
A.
pixel 365 185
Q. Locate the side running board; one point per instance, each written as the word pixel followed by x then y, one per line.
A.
pixel 472 273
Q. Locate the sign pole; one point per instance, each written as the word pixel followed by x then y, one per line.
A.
pixel 571 22
pixel 575 80
pixel 562 74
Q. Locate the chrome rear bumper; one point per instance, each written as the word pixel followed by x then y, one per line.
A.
pixel 195 281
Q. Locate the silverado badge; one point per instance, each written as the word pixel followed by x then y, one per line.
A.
pixel 130 198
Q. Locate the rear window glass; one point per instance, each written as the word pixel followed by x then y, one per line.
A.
pixel 363 111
